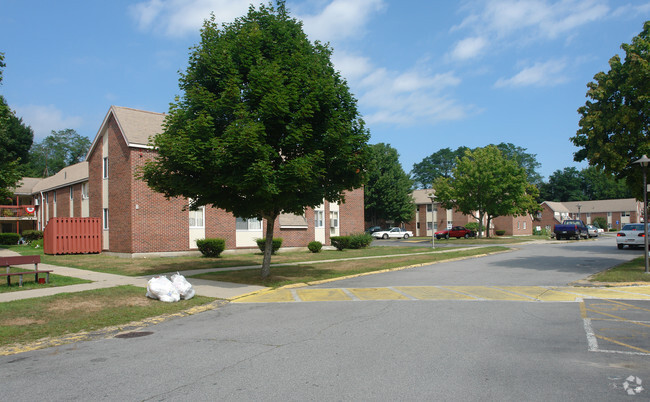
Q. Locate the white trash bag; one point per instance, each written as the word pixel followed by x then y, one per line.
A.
pixel 162 289
pixel 183 287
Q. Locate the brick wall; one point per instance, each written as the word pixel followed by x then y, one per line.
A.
pixel 220 224
pixel 120 180
pixel 351 213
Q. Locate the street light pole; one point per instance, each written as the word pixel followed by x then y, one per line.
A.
pixel 433 221
pixel 579 206
pixel 643 161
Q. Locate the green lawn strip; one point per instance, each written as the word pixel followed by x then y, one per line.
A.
pixel 157 265
pixel 68 313
pixel 631 271
pixel 286 275
pixel 29 283
pixel 485 240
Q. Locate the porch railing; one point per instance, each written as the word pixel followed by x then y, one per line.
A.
pixel 17 211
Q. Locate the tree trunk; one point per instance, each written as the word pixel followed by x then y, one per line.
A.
pixel 268 246
pixel 489 221
pixel 480 224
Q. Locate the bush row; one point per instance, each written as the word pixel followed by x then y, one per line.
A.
pixel 9 239
pixel 31 235
pixel 353 241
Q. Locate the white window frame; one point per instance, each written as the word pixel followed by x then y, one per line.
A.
pixel 105 218
pixel 84 191
pixel 197 218
pixel 251 225
pixel 71 194
pixel 319 218
pixel 105 168
pixel 334 219
pixel 54 197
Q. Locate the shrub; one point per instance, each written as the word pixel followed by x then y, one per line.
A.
pixel 36 244
pixel 473 226
pixel 340 242
pixel 359 240
pixel 31 235
pixel 600 222
pixel 9 239
pixel 277 243
pixel 315 246
pixel 211 247
pixel 500 232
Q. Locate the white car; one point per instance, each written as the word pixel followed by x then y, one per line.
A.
pixel 393 233
pixel 593 231
pixel 631 235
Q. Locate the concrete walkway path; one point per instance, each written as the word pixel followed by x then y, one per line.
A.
pixel 221 290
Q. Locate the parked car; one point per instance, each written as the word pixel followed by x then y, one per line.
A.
pixel 393 233
pixel 373 229
pixel 456 231
pixel 592 230
pixel 631 235
pixel 571 229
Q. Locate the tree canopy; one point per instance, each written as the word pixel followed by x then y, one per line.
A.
pixel 59 149
pixel 15 140
pixel 487 184
pixel 265 125
pixel 388 191
pixel 615 119
pixel 442 162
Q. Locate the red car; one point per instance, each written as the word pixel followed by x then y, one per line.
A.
pixel 456 231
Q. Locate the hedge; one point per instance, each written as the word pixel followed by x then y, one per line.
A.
pixel 211 247
pixel 9 239
pixel 277 243
pixel 315 246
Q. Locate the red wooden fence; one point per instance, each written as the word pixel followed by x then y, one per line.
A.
pixel 73 236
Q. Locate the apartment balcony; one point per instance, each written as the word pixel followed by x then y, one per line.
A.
pixel 18 212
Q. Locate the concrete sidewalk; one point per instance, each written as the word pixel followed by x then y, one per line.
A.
pixel 221 290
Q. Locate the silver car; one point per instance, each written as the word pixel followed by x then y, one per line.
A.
pixel 631 235
pixel 592 230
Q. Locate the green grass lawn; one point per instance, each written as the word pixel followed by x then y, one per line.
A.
pixel 631 271
pixel 286 275
pixel 24 321
pixel 159 265
pixel 29 283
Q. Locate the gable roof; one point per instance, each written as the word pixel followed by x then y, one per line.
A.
pixel 422 196
pixel 72 174
pixel 136 126
pixel 26 184
pixel 614 205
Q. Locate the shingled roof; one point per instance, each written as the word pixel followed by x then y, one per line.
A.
pixel 72 174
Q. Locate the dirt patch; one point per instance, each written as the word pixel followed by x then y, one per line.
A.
pixel 15 322
pixel 98 304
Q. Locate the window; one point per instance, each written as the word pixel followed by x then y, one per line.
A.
pixel 105 218
pixel 417 225
pixel 105 168
pixel 319 217
pixel 518 225
pixel 71 194
pixel 47 198
pixel 625 213
pixel 334 219
pixel 609 214
pixel 84 191
pixel 429 225
pixel 249 224
pixel 429 208
pixel 525 225
pixel 197 218
pixel 54 197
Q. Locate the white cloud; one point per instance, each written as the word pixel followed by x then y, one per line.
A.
pixel 539 74
pixel 44 119
pixel 340 19
pixel 180 17
pixel 469 48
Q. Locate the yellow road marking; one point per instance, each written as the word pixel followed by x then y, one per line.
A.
pixel 432 293
pixel 540 293
pixel 322 294
pixel 274 296
pixel 377 294
pixel 621 343
pixel 628 305
pixel 618 318
pixel 485 292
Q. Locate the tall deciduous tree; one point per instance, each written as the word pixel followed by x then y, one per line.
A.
pixel 486 184
pixel 15 140
pixel 265 125
pixel 59 149
pixel 439 164
pixel 564 185
pixel 388 191
pixel 615 120
pixel 524 159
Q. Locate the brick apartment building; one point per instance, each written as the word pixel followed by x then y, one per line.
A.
pixel 427 218
pixel 617 212
pixel 136 220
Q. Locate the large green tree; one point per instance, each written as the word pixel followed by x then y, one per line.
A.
pixel 15 140
pixel 388 191
pixel 615 120
pixel 487 184
pixel 59 149
pixel 524 159
pixel 265 125
pixel 564 185
pixel 439 164
pixel 591 183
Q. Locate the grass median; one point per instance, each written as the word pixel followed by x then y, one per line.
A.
pixel 631 271
pixel 317 271
pixel 29 320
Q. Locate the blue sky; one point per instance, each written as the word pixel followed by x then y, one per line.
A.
pixel 427 74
